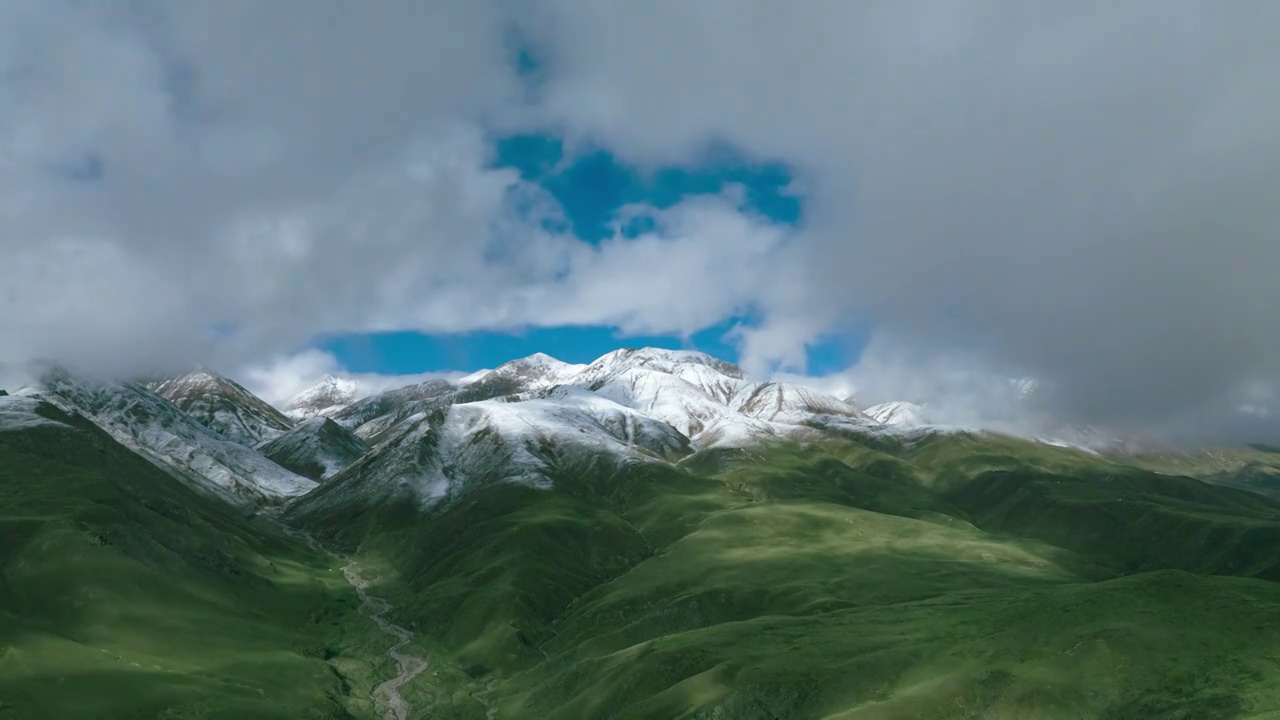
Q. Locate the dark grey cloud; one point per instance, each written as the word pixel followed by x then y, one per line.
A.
pixel 1080 192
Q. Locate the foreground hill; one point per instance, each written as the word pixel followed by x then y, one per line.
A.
pixel 127 594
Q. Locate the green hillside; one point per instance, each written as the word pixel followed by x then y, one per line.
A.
pixel 944 576
pixel 957 576
pixel 123 594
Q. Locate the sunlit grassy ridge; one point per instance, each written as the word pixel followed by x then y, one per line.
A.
pixel 123 594
pixel 954 576
pixel 940 576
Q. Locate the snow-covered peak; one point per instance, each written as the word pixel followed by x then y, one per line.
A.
pixel 473 377
pixel 899 414
pixel 539 359
pixel 538 369
pixel 688 390
pixel 675 362
pixel 224 406
pixel 662 396
pixel 327 396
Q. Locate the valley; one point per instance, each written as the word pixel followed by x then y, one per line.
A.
pixel 651 535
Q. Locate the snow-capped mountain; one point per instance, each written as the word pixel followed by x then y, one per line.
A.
pixel 524 421
pixel 318 448
pixel 720 410
pixel 223 406
pixel 370 418
pixel 330 395
pixel 437 455
pixel 691 391
pixel 165 434
pixel 904 415
pixel 710 400
pixel 689 365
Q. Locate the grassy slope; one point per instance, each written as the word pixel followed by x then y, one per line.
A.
pixel 123 594
pixel 958 577
pixel 1256 467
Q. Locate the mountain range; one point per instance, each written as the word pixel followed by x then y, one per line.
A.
pixel 653 534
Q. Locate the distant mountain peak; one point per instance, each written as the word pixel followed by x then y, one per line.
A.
pixel 662 358
pixel 327 396
pixel 705 399
pixel 540 365
pixel 899 414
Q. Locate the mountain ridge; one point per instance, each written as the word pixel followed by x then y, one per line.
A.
pixel 164 433
pixel 224 406
pixel 650 535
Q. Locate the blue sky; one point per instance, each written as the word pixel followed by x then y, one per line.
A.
pixel 592 186
pixel 402 353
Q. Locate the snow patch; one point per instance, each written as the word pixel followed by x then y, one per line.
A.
pixel 19 412
pixel 898 414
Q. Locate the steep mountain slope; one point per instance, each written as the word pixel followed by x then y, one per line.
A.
pixel 699 369
pixel 318 448
pixel 165 434
pixel 371 416
pixel 224 407
pixel 124 594
pixel 330 395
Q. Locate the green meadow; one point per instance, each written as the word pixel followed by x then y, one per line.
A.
pixel 855 578
pixel 959 576
pixel 125 595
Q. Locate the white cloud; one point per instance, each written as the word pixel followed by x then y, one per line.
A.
pixel 245 153
pixel 282 378
pixel 959 388
pixel 1080 192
